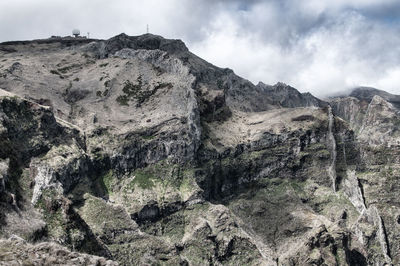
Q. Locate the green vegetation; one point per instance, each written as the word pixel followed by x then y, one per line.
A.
pixel 103 65
pixel 25 184
pixel 139 92
pixel 100 216
pixel 164 174
pixel 108 181
pixel 396 124
pixel 220 84
pixel 123 100
pixel 186 184
pixel 55 72
pixel 52 213
pixel 318 149
pixel 148 137
pixel 90 62
pixel 99 93
pixel 143 179
pixel 66 69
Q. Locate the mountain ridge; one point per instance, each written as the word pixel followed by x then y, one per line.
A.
pixel 137 150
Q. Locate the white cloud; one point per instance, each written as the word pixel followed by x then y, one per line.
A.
pixel 347 52
pixel 315 45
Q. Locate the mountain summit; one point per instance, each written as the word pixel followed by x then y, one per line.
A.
pixel 136 151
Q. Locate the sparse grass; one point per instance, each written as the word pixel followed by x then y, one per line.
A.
pixel 90 62
pixel 108 181
pixel 186 183
pixel 220 84
pixel 52 212
pixel 66 69
pixel 55 72
pixel 139 92
pixel 143 179
pixel 97 214
pixel 103 65
pixel 319 150
pixel 123 100
pixel 131 89
pixel 148 137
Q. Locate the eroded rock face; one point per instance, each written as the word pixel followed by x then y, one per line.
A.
pixel 15 251
pixel 289 97
pixel 136 150
pixel 367 94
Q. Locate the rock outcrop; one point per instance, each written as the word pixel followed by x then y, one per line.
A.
pixel 138 151
pixel 367 94
pixel 289 97
pixel 16 251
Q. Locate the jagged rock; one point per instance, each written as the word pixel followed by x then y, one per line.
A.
pixel 139 151
pixel 15 251
pixel 287 96
pixel 144 42
pixel 3 174
pixel 367 94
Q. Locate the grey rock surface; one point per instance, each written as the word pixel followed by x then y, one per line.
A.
pixel 289 97
pixel 138 151
pixel 16 251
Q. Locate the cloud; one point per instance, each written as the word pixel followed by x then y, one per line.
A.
pixel 315 45
pixel 325 49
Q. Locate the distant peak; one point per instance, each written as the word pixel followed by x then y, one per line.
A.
pixel 281 84
pixel 287 96
pixel 261 84
pixel 146 41
pixel 368 94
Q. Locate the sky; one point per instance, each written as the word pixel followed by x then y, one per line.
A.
pixel 319 46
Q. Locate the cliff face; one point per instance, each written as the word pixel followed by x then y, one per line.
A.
pixel 289 97
pixel 136 150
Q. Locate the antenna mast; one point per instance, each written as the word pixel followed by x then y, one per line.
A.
pixel 147 28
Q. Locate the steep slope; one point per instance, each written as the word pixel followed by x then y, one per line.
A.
pixel 287 96
pixel 137 150
pixel 367 94
pixel 16 251
pixel 375 119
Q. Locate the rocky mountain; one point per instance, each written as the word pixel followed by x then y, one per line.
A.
pixel 287 96
pixel 367 93
pixel 135 150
